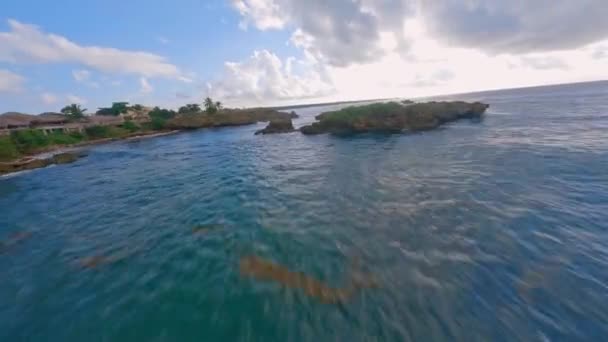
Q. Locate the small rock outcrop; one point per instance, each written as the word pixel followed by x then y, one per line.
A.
pixel 277 126
pixel 36 163
pixel 393 117
pixel 228 117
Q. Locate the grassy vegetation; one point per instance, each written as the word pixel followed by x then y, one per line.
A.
pixel 28 141
pixel 350 114
pixel 8 150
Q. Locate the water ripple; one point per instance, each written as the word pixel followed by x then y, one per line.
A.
pixel 485 231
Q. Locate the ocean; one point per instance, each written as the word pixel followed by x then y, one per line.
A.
pixel 493 230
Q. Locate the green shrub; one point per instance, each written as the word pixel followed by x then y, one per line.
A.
pixel 65 139
pixel 97 132
pixel 158 124
pixel 28 140
pixel 8 150
pixel 159 113
pixel 130 126
pixel 102 132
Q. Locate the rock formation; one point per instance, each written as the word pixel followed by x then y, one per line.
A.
pixel 393 117
pixel 277 126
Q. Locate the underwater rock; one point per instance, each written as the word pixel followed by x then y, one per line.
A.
pixel 266 270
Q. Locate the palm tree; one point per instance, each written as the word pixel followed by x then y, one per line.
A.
pixel 208 103
pixel 218 105
pixel 74 111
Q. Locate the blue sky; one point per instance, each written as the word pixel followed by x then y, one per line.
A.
pixel 265 52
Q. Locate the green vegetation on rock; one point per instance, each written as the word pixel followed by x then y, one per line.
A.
pixel 393 117
pixel 105 132
pixel 31 140
pixel 130 126
pixel 227 117
pixel 8 150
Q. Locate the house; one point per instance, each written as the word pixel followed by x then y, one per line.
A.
pixel 12 120
pixel 53 122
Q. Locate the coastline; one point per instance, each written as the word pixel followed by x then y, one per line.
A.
pixel 67 153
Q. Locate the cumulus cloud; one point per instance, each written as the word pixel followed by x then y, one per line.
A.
pixel 337 32
pixel 343 32
pixel 265 77
pixel 10 81
pixel 26 43
pixel 48 98
pixel 499 26
pixel 264 14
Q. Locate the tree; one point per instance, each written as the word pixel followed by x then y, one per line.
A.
pixel 116 109
pixel 74 111
pixel 218 105
pixel 159 117
pixel 190 108
pixel 210 106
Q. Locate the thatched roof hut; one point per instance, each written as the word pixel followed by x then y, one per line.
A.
pixel 11 120
pixel 49 118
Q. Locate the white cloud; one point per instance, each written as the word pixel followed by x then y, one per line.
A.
pixel 343 32
pixel 264 14
pixel 339 32
pixel 26 43
pixel 371 49
pixel 144 86
pixel 501 26
pixel 81 75
pixel 48 98
pixel 163 40
pixel 10 82
pixel 264 78
pixel 75 99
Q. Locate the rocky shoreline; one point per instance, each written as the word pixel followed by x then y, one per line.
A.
pixel 278 126
pixel 390 117
pixel 393 117
pixel 65 154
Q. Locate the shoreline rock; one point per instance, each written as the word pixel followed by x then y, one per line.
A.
pixel 277 127
pixel 393 117
pixel 227 118
pixel 30 163
pixel 62 154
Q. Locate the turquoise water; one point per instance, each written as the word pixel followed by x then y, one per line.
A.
pixel 480 231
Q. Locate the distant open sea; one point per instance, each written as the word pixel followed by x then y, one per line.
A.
pixel 479 231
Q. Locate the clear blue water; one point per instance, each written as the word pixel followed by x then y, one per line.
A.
pixel 480 231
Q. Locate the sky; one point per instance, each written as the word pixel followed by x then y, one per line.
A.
pixel 278 52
